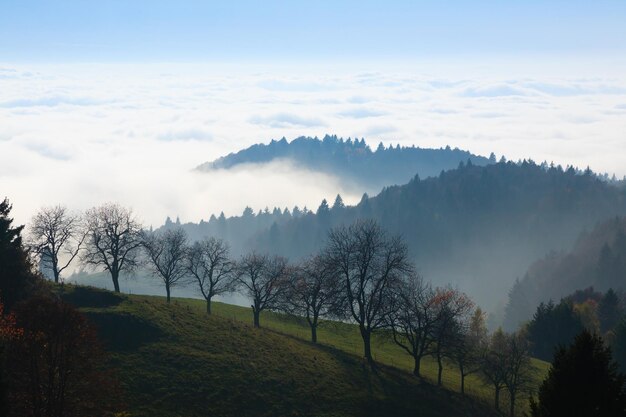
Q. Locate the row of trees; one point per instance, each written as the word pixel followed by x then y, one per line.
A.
pixel 362 275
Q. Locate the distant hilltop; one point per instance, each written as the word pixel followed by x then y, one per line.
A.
pixel 353 160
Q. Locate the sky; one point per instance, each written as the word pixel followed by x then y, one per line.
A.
pixel 120 100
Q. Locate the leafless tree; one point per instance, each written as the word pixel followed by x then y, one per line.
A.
pixel 452 306
pixel 371 265
pixel 412 321
pixel 519 370
pixel 312 291
pixel 209 266
pixel 167 256
pixel 494 364
pixel 56 237
pixel 263 279
pixel 113 240
pixel 469 344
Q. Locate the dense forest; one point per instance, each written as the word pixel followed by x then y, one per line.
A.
pixel 597 260
pixel 352 161
pixel 478 227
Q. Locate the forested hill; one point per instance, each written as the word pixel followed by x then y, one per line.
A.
pixel 476 227
pixel 352 160
pixel 597 260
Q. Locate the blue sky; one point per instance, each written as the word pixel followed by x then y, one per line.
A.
pixel 154 30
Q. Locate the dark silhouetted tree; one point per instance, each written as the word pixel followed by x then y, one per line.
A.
pixel 54 233
pixel 413 318
pixel 312 291
pixel 210 268
pixel 113 240
pixel 263 279
pixel 469 344
pixel 167 256
pixel 583 381
pixel 371 265
pixel 452 306
pixel 518 377
pixel 494 362
pixel 17 280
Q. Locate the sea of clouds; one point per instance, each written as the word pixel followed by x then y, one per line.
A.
pixel 85 134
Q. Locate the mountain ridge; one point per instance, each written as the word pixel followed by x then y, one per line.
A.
pixel 352 160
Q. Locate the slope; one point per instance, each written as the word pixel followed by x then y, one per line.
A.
pixel 175 361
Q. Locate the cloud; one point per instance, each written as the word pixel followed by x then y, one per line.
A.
pixel 295 85
pixel 360 113
pixel 566 90
pixel 52 101
pixel 280 120
pixel 489 115
pixel 379 130
pixel 186 134
pixel 501 90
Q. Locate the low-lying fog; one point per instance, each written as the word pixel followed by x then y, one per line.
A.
pixel 84 134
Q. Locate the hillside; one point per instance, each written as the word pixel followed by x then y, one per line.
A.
pixel 353 162
pixel 598 260
pixel 477 227
pixel 176 361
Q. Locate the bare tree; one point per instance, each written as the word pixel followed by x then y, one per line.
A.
pixel 371 265
pixel 56 236
pixel 113 240
pixel 167 256
pixel 412 322
pixel 210 268
pixel 312 291
pixel 452 306
pixel 519 370
pixel 263 279
pixel 494 364
pixel 469 344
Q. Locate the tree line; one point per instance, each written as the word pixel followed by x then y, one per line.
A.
pixel 361 275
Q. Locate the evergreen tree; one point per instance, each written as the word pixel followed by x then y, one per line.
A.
pixel 323 209
pixel 338 204
pixel 619 344
pixel 553 326
pixel 609 311
pixel 583 381
pixel 16 277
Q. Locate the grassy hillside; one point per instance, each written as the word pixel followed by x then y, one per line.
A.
pixel 175 361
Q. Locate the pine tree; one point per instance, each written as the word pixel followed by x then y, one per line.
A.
pixel 16 277
pixel 583 381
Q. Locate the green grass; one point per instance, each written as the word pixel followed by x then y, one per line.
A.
pixel 176 361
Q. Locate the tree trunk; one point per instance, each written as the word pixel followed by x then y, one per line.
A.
pixel 497 399
pixel 416 366
pixel 167 290
pixel 367 345
pixel 314 333
pixel 208 306
pixel 440 370
pixel 256 314
pixel 116 281
pixel 462 383
pixel 512 404
pixel 56 275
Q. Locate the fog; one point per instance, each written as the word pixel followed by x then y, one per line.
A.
pixel 84 134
